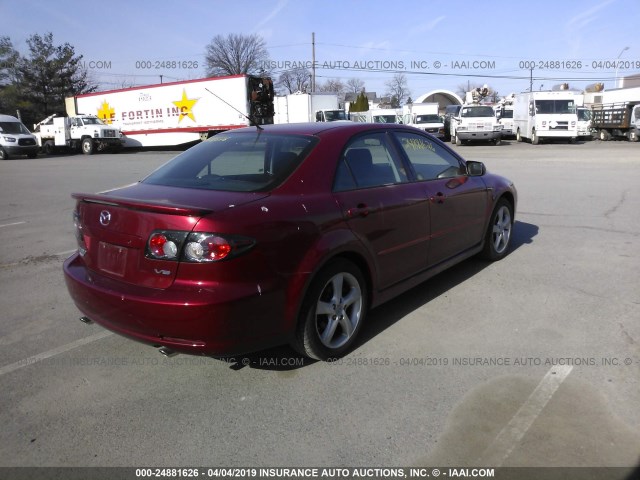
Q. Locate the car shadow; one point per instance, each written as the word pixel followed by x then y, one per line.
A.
pixel 284 358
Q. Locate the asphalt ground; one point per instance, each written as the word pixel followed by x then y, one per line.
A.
pixel 530 361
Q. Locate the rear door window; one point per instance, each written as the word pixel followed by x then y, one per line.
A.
pixel 368 161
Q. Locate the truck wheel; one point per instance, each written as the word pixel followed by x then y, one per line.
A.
pixel 48 147
pixel 604 135
pixel 534 138
pixel 633 136
pixel 497 141
pixel 3 155
pixel 518 136
pixel 87 146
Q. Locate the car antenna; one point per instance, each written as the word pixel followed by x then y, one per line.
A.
pixel 241 113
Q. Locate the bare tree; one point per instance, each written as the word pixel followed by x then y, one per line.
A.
pixel 355 85
pixel 236 55
pixel 398 89
pixel 296 80
pixel 332 85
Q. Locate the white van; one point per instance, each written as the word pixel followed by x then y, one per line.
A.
pixel 16 139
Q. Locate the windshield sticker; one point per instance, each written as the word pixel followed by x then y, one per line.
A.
pixel 417 144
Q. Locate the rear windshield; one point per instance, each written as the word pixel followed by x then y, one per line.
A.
pixel 235 162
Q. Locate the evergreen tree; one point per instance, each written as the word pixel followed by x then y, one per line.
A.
pixel 361 104
pixel 8 62
pixel 48 75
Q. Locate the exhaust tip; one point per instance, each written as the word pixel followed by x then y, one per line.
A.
pixel 86 320
pixel 167 352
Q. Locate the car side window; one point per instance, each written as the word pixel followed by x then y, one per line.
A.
pixel 367 162
pixel 429 159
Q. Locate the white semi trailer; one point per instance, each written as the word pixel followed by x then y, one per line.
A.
pixel 177 113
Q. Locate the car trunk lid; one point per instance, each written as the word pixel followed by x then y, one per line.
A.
pixel 114 227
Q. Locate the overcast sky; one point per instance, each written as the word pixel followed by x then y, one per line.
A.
pixel 437 44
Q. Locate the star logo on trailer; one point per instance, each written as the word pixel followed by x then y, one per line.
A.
pixel 186 105
pixel 106 113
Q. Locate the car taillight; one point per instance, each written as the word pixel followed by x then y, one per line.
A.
pixel 195 247
pixel 204 247
pixel 82 246
pixel 162 247
pixel 165 244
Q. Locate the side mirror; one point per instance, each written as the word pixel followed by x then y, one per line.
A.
pixel 475 169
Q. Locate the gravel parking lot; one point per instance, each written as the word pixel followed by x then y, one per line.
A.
pixel 531 361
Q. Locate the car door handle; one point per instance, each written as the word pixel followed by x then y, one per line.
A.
pixel 438 198
pixel 362 210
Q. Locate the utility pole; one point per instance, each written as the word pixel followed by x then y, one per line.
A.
pixel 531 79
pixel 615 84
pixel 313 62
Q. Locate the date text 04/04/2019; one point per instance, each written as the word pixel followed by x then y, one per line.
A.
pixel 578 64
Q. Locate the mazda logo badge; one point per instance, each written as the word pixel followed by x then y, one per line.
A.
pixel 105 218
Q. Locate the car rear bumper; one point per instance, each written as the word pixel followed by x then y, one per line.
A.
pixel 221 321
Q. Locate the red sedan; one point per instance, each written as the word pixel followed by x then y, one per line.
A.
pixel 281 234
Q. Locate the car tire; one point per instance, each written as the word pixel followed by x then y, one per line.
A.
pixel 499 232
pixel 3 154
pixel 87 146
pixel 333 311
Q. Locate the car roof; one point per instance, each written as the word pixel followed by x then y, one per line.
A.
pixel 315 128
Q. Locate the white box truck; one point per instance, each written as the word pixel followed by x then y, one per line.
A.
pixel 308 107
pixel 540 116
pixel 177 113
pixel 425 117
